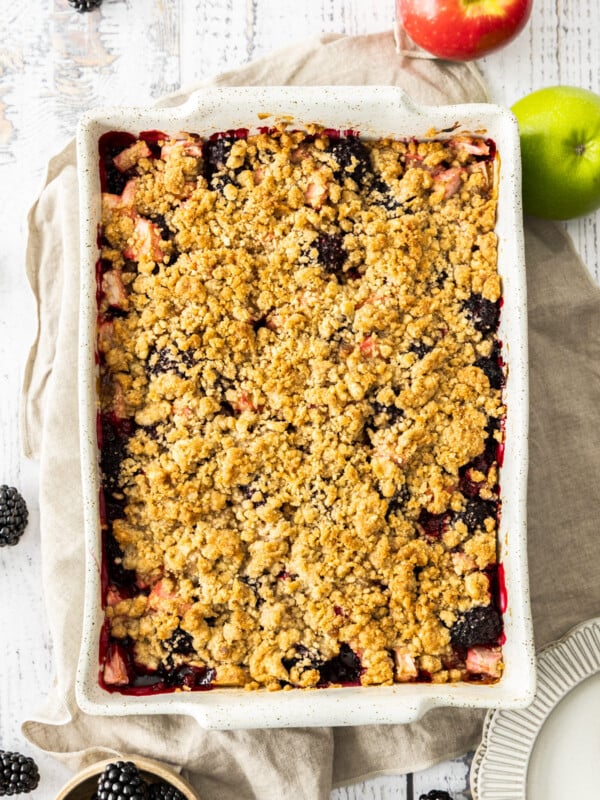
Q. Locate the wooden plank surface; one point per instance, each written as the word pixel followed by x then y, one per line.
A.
pixel 54 64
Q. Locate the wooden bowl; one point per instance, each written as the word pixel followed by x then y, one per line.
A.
pixel 83 785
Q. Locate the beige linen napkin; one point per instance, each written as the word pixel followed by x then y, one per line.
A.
pixel 564 503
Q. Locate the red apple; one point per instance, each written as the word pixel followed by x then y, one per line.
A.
pixel 460 30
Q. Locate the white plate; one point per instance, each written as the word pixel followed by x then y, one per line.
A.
pixel 550 750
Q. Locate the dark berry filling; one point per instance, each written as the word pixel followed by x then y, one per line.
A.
pixel 215 154
pixel 481 625
pixel 179 643
pixel 165 360
pixel 492 367
pixel 420 349
pixel 352 158
pixel 112 180
pixel 113 557
pixel 153 139
pixel 398 501
pixel 115 436
pixel 219 182
pixel 381 195
pixel 139 680
pixel 331 253
pixel 484 314
pixel 476 512
pixel 386 414
pixel 165 232
pixel 433 525
pixel 344 668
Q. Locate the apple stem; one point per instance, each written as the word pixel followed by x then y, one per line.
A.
pixel 580 149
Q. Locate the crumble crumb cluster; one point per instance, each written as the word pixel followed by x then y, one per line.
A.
pixel 301 410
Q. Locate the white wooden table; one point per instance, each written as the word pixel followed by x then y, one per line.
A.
pixel 54 64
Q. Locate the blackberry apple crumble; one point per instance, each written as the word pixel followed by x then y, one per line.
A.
pixel 301 410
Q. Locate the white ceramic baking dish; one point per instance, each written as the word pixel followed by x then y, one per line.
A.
pixel 375 112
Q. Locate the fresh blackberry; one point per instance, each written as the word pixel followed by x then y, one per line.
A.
pixel 331 252
pixel 81 6
pixel 13 515
pixel 480 625
pixel 164 791
pixel 18 773
pixel 122 781
pixel 352 157
pixel 484 314
pixel 436 794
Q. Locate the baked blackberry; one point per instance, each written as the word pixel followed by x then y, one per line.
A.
pixel 81 6
pixel 332 256
pixel 420 349
pixel 18 773
pixel 13 516
pixel 433 525
pixel 484 314
pixel 436 794
pixel 476 513
pixel 122 781
pixel 178 644
pixel 187 676
pixel 125 578
pixel 492 370
pixel 381 195
pixel 391 413
pixel 114 450
pixel 164 791
pixel 166 234
pixel 352 157
pixel 345 668
pixel 215 153
pixel 480 625
pixel 398 501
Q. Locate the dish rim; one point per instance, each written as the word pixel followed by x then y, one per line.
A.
pixel 414 699
pixel 503 761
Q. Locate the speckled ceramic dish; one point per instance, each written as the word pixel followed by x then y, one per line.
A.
pixel 375 112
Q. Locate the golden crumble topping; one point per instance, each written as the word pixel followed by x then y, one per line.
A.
pixel 301 402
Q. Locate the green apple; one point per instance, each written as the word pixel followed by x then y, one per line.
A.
pixel 560 150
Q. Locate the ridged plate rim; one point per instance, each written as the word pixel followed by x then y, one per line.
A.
pixel 501 762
